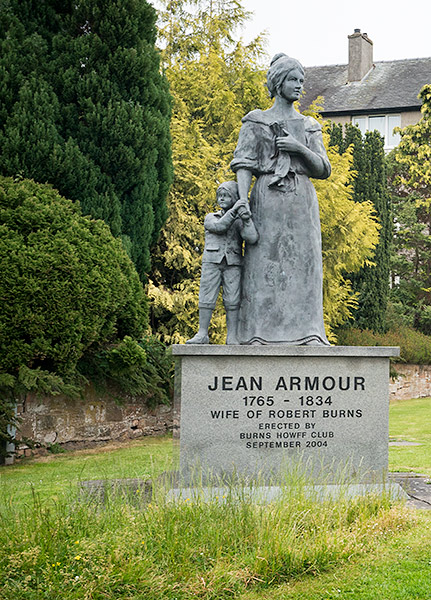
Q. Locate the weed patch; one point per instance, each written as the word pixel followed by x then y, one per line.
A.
pixel 184 549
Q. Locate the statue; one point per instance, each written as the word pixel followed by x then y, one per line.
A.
pixel 225 231
pixel 277 296
pixel 281 298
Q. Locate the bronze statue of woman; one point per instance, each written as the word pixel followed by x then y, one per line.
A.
pixel 281 300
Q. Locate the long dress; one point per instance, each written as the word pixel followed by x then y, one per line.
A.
pixel 281 298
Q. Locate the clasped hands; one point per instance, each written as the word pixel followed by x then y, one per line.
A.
pixel 242 209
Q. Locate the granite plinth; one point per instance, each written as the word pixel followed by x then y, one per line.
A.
pixel 259 411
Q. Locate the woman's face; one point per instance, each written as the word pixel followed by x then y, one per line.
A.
pixel 291 88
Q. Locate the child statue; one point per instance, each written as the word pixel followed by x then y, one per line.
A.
pixel 225 231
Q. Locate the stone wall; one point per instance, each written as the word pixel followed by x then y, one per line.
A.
pixel 413 381
pixel 99 418
pixel 91 419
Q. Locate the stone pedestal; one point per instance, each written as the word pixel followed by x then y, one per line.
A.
pixel 259 411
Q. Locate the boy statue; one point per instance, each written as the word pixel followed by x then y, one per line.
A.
pixel 225 231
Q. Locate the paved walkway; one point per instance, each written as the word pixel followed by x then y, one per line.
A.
pixel 418 488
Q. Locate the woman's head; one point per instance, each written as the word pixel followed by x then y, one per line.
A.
pixel 280 67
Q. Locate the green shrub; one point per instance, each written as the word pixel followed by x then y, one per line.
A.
pixel 69 296
pixel 415 347
pixel 66 284
pixel 84 106
pixel 143 367
pixel 56 448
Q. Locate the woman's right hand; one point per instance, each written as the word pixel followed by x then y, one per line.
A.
pixel 289 144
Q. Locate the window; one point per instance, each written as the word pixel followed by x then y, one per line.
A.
pixel 361 122
pixel 393 138
pixel 384 124
pixel 379 124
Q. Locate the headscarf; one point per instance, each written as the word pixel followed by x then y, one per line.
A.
pixel 280 66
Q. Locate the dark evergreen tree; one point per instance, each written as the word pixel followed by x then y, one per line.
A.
pixel 84 107
pixel 372 281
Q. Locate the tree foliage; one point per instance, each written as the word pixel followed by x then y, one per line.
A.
pixel 410 185
pixel 215 80
pixel 371 282
pixel 349 237
pixel 66 283
pixel 414 149
pixel 83 106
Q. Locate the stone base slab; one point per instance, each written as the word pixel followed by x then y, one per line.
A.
pixel 266 494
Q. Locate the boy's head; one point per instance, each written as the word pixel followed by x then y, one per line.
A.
pixel 227 194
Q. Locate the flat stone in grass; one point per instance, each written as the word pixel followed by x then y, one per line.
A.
pixel 403 443
pixel 136 491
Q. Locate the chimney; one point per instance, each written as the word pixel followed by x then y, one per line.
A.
pixel 360 55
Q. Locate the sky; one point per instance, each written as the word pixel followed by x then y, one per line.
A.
pixel 315 31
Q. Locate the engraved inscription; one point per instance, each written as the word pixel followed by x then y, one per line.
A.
pixel 264 422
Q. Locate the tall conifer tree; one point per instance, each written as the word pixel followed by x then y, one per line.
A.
pixel 371 281
pixel 83 106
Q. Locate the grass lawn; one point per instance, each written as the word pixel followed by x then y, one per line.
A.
pixel 410 420
pixel 56 474
pixel 52 547
pixel 399 568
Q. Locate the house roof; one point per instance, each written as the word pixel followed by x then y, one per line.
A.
pixel 389 86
